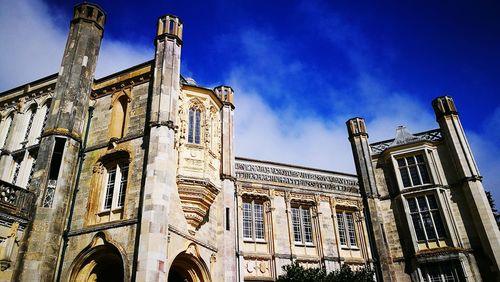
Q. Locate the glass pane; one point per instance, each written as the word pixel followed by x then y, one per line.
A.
pixel 412 204
pixel 410 160
pixel 432 201
pixel 197 128
pixel 419 230
pixel 108 198
pixel 306 220
pixel 259 221
pixel 190 126
pixel 439 224
pixel 424 173
pixel 341 224
pixel 297 235
pixel 422 203
pixel 429 227
pixel 123 185
pixel 420 158
pixel 350 229
pixel 401 163
pixel 414 175
pixel 405 177
pixel 247 220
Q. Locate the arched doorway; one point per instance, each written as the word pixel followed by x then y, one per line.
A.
pixel 188 268
pixel 100 262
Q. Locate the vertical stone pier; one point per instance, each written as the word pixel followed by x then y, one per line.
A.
pixel 57 159
pixel 358 137
pixel 471 183
pixel 226 94
pixel 161 163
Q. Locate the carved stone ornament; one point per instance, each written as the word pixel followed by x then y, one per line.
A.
pixel 196 198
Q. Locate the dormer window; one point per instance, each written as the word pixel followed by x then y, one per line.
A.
pixel 194 136
pixel 413 171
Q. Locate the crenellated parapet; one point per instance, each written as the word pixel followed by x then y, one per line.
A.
pixel 225 94
pixel 90 13
pixel 169 26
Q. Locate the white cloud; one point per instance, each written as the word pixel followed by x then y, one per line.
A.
pixel 34 38
pixel 32 42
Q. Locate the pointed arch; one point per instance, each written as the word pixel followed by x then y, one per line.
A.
pixel 188 266
pixel 195 118
pixel 101 260
pixel 119 114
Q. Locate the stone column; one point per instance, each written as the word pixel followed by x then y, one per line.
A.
pixel 225 93
pixel 362 158
pixel 60 143
pixel 161 157
pixel 471 182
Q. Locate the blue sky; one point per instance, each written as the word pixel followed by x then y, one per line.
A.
pixel 300 69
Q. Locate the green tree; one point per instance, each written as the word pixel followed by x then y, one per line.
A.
pixel 297 273
pixel 496 214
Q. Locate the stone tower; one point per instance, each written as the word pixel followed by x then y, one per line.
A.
pixel 161 167
pixel 358 137
pixel 472 187
pixel 60 144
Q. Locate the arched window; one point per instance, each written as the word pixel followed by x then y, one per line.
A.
pixel 194 127
pixel 118 124
pixel 29 122
pixel 41 117
pixel 6 127
pixel 109 188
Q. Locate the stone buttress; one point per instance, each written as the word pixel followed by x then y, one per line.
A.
pixel 358 137
pixel 471 184
pixel 231 271
pixel 161 153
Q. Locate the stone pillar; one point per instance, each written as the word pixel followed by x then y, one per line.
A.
pixel 225 93
pixel 161 157
pixel 471 182
pixel 55 169
pixel 362 158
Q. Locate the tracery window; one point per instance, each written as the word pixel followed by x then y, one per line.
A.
pixel 31 116
pixel 302 225
pixel 413 171
pixel 253 220
pixel 6 129
pixel 194 126
pixel 426 218
pixel 17 168
pixel 347 230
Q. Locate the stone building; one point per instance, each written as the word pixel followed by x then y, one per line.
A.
pixel 133 177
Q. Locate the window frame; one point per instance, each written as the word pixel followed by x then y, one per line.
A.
pixel 194 121
pixel 445 234
pixel 301 208
pixel 348 237
pixel 253 220
pixel 413 167
pixel 453 266
pixel 118 196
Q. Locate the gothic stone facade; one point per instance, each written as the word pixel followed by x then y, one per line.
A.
pixel 133 177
